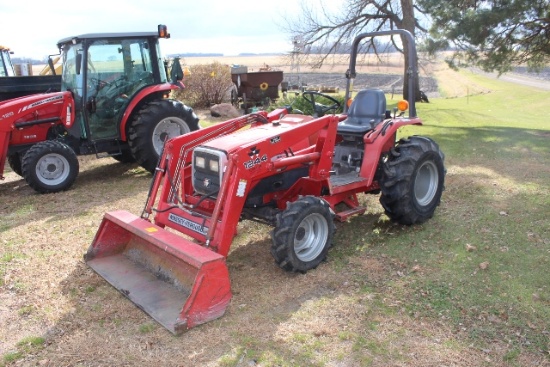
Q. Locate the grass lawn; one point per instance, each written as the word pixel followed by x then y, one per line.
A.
pixel 470 287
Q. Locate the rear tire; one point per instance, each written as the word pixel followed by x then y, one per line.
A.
pixel 156 122
pixel 50 166
pixel 412 180
pixel 14 161
pixel 303 234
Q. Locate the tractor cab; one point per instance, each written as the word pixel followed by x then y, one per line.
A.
pixel 105 72
pixel 114 102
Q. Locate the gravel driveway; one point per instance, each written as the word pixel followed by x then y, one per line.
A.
pixel 521 75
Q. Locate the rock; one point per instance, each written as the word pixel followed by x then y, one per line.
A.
pixel 224 110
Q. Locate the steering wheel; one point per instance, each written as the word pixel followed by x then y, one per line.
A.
pixel 110 89
pixel 320 109
pixel 107 96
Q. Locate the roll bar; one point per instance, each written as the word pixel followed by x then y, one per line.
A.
pixel 411 68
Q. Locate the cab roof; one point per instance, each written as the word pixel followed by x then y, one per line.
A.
pixel 120 35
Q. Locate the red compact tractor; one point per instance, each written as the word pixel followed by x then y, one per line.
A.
pixel 296 173
pixel 113 102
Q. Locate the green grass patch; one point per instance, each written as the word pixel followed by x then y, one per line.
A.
pixel 497 201
pixel 147 328
pixel 11 357
pixel 31 344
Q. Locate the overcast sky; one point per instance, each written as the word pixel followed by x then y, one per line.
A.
pixel 223 26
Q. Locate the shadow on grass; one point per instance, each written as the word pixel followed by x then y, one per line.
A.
pixel 95 186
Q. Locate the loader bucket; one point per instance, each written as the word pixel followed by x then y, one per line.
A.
pixel 177 282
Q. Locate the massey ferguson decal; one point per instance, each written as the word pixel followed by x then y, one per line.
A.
pixel 196 227
pixel 275 139
pixel 41 102
pixel 255 160
pixel 253 151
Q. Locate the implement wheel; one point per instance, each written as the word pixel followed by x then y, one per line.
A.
pixel 303 234
pixel 412 180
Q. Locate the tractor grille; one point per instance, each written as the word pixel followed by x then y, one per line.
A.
pixel 208 167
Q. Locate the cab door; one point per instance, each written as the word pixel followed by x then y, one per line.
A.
pixel 116 71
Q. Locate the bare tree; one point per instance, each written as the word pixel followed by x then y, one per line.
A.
pixel 328 33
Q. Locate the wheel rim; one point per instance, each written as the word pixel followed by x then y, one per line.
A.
pixel 426 183
pixel 167 129
pixel 310 237
pixel 52 169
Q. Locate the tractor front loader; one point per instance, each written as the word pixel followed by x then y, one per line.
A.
pixel 293 172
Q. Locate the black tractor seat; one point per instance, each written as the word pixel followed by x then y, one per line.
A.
pixel 366 111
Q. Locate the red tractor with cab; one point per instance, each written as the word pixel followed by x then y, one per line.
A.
pixel 295 173
pixel 114 101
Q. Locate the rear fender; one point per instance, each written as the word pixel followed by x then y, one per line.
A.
pixel 136 101
pixel 381 140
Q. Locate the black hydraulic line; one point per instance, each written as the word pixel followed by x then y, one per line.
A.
pixel 21 125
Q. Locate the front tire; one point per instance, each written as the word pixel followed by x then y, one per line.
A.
pixel 303 234
pixel 156 122
pixel 412 180
pixel 14 161
pixel 50 166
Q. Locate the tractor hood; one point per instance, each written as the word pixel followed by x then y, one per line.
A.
pixel 276 133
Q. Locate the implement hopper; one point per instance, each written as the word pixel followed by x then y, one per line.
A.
pixel 177 282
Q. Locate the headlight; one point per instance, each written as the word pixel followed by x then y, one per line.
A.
pixel 214 165
pixel 200 162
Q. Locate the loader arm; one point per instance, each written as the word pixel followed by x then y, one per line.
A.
pixel 175 159
pixel 212 221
